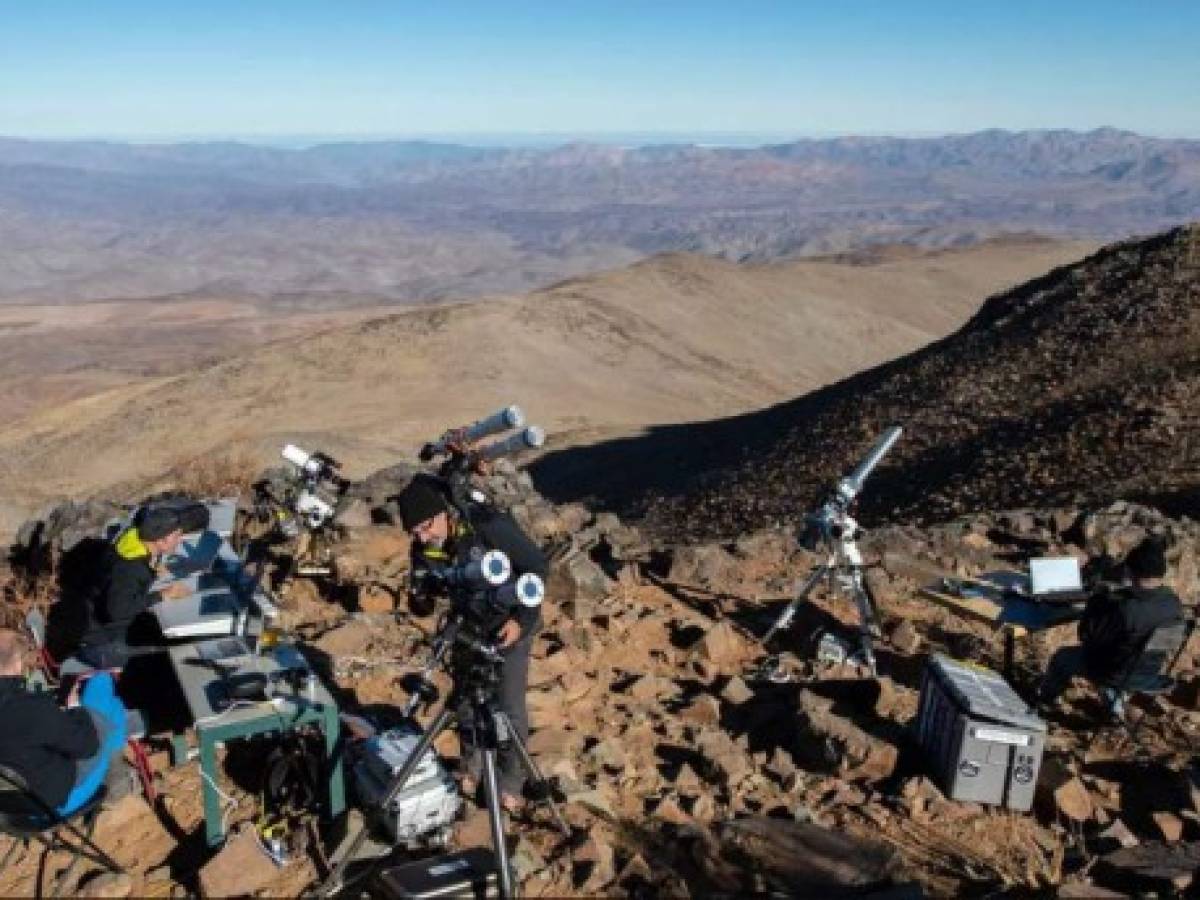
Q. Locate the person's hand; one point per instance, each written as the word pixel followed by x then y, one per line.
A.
pixel 73 695
pixel 509 634
pixel 176 591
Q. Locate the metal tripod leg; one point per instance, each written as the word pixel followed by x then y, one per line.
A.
pixel 867 628
pixel 789 612
pixel 335 883
pixel 535 773
pixel 491 793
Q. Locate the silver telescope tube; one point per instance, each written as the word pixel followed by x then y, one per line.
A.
pixel 529 439
pixel 849 486
pixel 509 417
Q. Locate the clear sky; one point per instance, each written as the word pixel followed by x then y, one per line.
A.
pixel 212 68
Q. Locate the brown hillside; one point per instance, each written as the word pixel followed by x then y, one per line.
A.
pixel 1078 387
pixel 674 339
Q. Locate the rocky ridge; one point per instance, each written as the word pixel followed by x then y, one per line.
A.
pixel 1079 387
pixel 683 773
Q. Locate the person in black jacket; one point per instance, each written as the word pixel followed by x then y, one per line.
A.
pixel 446 535
pixel 124 595
pixel 1115 625
pixel 54 749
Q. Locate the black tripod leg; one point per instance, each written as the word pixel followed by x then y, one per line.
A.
pixel 535 773
pixel 335 882
pixel 491 790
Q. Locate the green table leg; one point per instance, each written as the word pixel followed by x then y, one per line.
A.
pixel 337 785
pixel 212 803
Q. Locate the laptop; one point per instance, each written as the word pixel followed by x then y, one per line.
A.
pixel 1056 579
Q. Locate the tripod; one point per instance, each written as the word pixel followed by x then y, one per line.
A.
pixel 833 532
pixel 492 729
pixel 843 569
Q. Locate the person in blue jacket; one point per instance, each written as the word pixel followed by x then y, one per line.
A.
pixel 64 755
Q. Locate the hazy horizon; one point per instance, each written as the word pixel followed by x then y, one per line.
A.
pixel 534 139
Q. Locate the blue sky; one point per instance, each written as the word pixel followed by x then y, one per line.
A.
pixel 355 67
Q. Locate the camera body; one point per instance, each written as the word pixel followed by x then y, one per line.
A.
pixel 317 487
pixel 481 590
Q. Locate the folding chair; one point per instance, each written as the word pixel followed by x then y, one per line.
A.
pixel 25 816
pixel 52 673
pixel 1150 673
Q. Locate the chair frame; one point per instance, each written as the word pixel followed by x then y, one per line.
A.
pixel 35 625
pixel 84 847
pixel 1124 690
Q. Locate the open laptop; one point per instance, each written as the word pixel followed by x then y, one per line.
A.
pixel 1056 579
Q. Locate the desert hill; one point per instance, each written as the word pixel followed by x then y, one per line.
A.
pixel 1077 387
pixel 674 339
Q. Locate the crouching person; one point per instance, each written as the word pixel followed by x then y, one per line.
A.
pixel 64 755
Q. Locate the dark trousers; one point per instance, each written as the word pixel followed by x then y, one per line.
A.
pixel 1065 664
pixel 514 682
pixel 115 654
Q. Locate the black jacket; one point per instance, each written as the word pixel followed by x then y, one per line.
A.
pixel 1115 625
pixel 484 528
pixel 124 592
pixel 41 741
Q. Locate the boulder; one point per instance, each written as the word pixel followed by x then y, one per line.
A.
pixel 1061 794
pixel 833 741
pixel 108 885
pixel 240 868
pixel 721 645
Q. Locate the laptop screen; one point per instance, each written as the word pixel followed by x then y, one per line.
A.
pixel 1052 575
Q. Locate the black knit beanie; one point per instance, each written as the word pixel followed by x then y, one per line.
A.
pixel 155 522
pixel 1148 559
pixel 421 499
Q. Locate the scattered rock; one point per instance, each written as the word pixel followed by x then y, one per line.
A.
pixel 905 638
pixel 355 513
pixel 832 741
pixel 721 645
pixel 736 690
pixel 374 598
pixel 239 868
pixel 107 884
pixel 1061 793
pixel 1169 825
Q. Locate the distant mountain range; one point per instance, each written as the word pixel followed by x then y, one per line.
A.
pixel 343 224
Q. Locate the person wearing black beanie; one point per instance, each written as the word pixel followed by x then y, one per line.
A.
pixel 1116 625
pixel 445 534
pixel 122 594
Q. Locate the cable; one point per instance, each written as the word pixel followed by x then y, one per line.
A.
pixel 233 803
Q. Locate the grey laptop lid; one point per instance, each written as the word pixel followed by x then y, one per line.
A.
pixel 1055 575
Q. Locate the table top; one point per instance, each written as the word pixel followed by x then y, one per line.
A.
pixel 204 686
pixel 993 600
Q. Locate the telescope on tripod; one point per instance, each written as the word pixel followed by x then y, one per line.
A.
pixel 464 440
pixel 464 647
pixel 832 533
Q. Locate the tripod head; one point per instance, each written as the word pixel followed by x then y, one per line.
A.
pixel 472 663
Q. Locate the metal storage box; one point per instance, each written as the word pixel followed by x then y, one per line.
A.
pixel 469 873
pixel 429 801
pixel 983 743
